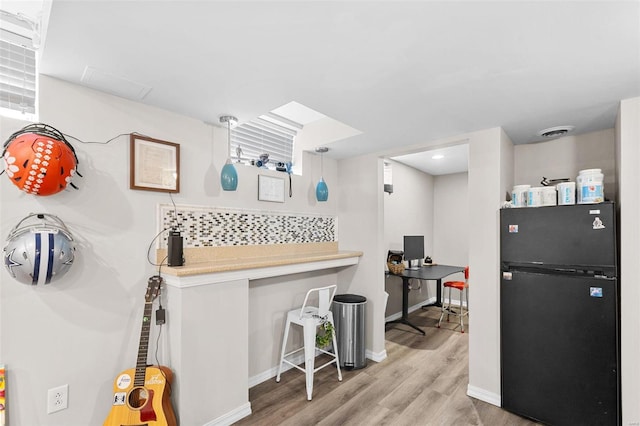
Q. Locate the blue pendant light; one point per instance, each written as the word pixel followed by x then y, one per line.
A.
pixel 229 175
pixel 322 190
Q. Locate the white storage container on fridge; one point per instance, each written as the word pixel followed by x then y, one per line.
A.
pixel 566 193
pixel 590 186
pixel 534 197
pixel 549 197
pixel 519 195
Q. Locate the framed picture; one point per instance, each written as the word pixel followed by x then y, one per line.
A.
pixel 270 189
pixel 155 165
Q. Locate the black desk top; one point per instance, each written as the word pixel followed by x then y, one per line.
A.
pixel 434 272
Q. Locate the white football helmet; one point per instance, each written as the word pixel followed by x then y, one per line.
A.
pixel 41 252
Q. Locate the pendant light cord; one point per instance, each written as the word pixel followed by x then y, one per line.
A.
pixel 229 140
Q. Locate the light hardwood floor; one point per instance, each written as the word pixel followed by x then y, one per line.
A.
pixel 423 381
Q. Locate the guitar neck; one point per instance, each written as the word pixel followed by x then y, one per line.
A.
pixel 143 348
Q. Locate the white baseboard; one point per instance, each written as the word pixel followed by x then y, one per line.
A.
pixel 376 357
pixel 415 307
pixel 484 395
pixel 273 372
pixel 264 376
pixel 232 416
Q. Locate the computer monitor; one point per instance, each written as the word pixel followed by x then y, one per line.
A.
pixel 413 247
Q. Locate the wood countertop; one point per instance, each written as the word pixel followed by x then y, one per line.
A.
pixel 209 260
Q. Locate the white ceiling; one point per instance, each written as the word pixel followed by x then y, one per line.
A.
pixel 438 161
pixel 402 73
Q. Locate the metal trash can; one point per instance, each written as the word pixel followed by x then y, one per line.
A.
pixel 349 318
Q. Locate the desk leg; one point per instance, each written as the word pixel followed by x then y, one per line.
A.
pixel 438 301
pixel 405 307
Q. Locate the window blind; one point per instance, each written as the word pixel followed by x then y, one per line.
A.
pixel 17 77
pixel 261 136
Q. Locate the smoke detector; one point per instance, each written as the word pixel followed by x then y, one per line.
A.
pixel 554 132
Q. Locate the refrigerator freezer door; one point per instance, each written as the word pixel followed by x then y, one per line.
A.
pixel 559 348
pixel 561 235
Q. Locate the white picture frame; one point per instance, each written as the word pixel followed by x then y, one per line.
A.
pixel 270 188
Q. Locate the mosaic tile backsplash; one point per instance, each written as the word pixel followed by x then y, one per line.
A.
pixel 214 227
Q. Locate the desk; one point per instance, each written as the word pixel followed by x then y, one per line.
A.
pixel 435 273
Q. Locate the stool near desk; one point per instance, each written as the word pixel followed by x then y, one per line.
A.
pixel 463 287
pixel 310 318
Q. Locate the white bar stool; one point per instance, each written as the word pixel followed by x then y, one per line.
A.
pixel 310 318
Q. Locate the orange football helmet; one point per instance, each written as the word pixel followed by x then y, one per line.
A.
pixel 39 160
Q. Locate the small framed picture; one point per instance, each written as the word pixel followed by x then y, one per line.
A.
pixel 155 164
pixel 270 189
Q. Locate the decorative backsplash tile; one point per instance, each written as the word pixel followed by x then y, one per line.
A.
pixel 214 227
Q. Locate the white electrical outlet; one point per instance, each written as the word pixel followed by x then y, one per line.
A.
pixel 57 399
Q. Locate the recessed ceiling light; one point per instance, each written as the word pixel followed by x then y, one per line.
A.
pixel 438 157
pixel 554 132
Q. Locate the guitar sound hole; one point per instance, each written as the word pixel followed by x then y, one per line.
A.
pixel 138 397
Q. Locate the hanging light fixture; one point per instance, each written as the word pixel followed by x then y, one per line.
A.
pixel 229 175
pixel 322 191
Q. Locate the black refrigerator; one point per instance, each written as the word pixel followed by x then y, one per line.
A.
pixel 559 314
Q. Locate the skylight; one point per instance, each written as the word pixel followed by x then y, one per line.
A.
pixel 273 133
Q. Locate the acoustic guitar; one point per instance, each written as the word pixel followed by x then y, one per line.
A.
pixel 141 395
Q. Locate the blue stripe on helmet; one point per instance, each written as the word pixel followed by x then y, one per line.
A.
pixel 36 264
pixel 50 259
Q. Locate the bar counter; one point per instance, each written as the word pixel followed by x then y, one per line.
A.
pixel 210 260
pixel 207 304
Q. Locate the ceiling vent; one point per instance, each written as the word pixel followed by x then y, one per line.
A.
pixel 554 132
pixel 109 83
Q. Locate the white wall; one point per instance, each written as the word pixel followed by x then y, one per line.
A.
pixel 408 211
pixel 318 133
pixel 490 176
pixel 269 301
pixel 361 224
pixel 627 135
pixel 451 219
pixel 84 330
pixel 565 157
pixel 205 330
